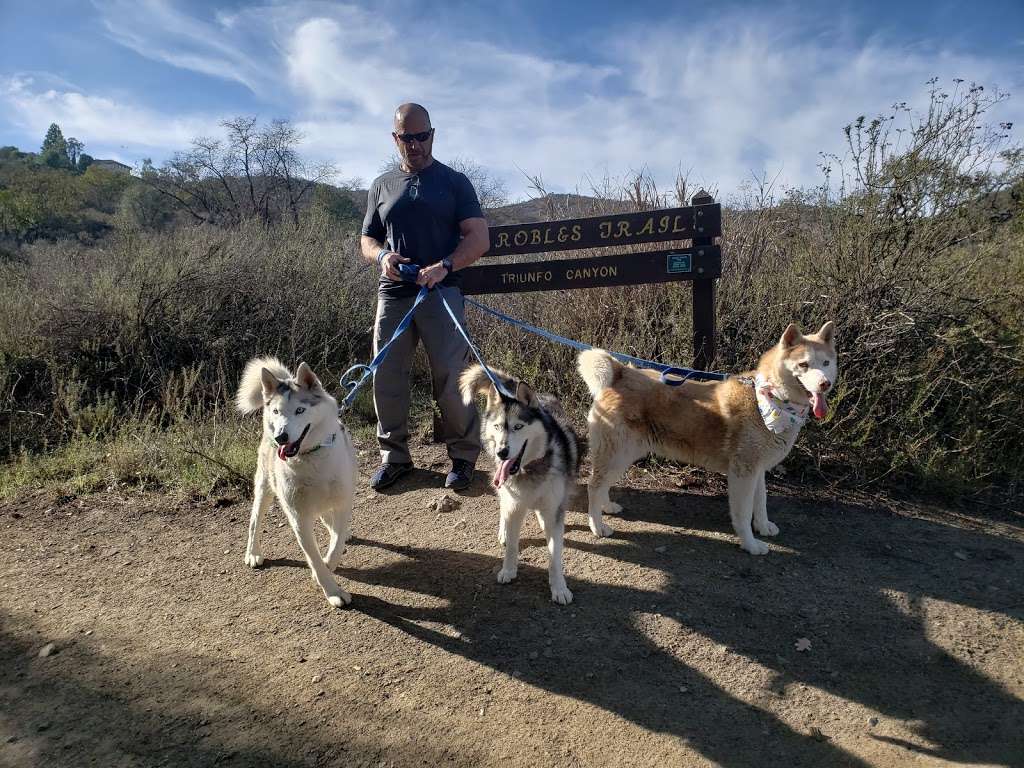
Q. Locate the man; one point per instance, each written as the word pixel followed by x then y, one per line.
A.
pixel 427 214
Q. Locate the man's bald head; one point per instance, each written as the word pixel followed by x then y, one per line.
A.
pixel 414 138
pixel 411 112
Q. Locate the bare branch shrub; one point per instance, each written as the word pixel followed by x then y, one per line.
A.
pixel 255 172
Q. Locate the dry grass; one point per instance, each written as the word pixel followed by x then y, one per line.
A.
pixel 114 359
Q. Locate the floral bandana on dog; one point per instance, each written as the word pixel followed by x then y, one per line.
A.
pixel 778 414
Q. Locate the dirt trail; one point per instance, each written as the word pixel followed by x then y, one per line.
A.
pixel 680 649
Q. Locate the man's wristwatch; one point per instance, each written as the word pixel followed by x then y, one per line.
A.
pixel 381 254
pixel 446 262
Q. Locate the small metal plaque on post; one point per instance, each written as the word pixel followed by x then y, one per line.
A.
pixel 679 262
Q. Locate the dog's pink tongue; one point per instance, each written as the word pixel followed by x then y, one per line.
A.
pixel 280 452
pixel 819 404
pixel 501 473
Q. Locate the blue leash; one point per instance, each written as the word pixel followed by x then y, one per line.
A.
pixel 352 384
pixel 498 384
pixel 670 374
pixel 679 375
pixel 348 380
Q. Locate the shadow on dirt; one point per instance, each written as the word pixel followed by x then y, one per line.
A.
pixel 422 479
pixel 103 713
pixel 853 579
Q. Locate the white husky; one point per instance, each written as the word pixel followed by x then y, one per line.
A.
pixel 306 459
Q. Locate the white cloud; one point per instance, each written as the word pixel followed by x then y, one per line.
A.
pixel 157 30
pixel 339 62
pixel 740 95
pixel 109 128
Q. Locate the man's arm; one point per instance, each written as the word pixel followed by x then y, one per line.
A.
pixel 371 248
pixel 475 242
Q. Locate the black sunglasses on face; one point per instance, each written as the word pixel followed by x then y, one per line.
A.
pixel 408 138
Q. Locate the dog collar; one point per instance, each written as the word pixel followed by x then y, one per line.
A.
pixel 325 444
pixel 779 415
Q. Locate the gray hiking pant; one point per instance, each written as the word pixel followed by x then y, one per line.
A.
pixel 448 354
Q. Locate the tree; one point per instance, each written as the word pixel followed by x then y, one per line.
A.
pixel 55 159
pixel 54 152
pixel 490 190
pixel 255 172
pixel 74 151
pixel 84 161
pixel 54 140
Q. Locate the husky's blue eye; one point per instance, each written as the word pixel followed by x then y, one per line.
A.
pixel 299 410
pixel 825 364
pixel 517 427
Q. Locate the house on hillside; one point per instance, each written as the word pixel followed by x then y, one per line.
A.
pixel 112 165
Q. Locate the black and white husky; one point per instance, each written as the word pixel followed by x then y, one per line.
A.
pixel 537 458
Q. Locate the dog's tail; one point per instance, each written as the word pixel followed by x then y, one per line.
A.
pixel 598 369
pixel 473 382
pixel 250 390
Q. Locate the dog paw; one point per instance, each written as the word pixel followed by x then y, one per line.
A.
pixel 601 529
pixel 613 508
pixel 505 575
pixel 339 598
pixel 768 529
pixel 561 595
pixel 253 560
pixel 755 547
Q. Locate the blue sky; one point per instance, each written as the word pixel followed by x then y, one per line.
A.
pixel 571 91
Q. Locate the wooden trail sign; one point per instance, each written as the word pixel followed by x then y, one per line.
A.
pixel 700 262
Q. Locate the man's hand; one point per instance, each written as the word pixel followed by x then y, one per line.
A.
pixel 432 275
pixel 389 265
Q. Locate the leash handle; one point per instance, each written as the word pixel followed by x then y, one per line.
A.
pixel 353 385
pixel 409 272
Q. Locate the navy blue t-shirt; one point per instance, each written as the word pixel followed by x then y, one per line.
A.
pixel 417 215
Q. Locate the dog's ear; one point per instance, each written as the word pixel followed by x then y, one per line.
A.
pixel 790 336
pixel 306 378
pixel 827 334
pixel 525 395
pixel 270 383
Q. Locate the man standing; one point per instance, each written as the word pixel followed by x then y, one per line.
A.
pixel 427 214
